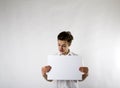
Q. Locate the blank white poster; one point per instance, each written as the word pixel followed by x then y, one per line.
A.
pixel 64 67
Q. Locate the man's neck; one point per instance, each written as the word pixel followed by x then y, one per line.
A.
pixel 66 53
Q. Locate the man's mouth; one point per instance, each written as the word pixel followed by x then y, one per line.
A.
pixel 61 50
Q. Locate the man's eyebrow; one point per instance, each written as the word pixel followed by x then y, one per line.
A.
pixel 64 44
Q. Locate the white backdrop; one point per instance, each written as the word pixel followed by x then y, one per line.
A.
pixel 28 30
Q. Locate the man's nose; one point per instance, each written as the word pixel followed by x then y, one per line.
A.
pixel 61 47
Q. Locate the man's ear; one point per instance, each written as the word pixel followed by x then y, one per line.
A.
pixel 69 44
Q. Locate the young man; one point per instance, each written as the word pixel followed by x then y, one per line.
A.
pixel 64 41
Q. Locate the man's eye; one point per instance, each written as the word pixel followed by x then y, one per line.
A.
pixel 64 46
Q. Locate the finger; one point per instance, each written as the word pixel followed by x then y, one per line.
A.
pixel 84 69
pixel 81 69
pixel 48 68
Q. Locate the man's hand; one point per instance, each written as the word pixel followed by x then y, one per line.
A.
pixel 85 71
pixel 45 69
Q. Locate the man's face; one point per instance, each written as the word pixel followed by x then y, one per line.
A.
pixel 63 46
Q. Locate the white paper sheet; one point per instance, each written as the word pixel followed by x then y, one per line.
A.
pixel 64 67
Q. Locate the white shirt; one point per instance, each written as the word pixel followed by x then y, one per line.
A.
pixel 65 83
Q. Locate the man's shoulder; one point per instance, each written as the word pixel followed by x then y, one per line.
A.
pixel 73 54
pixel 69 54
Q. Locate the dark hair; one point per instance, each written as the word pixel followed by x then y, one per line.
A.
pixel 66 36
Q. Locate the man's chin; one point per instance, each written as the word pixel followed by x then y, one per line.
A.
pixel 61 52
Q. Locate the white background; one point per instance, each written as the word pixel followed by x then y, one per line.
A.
pixel 28 30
